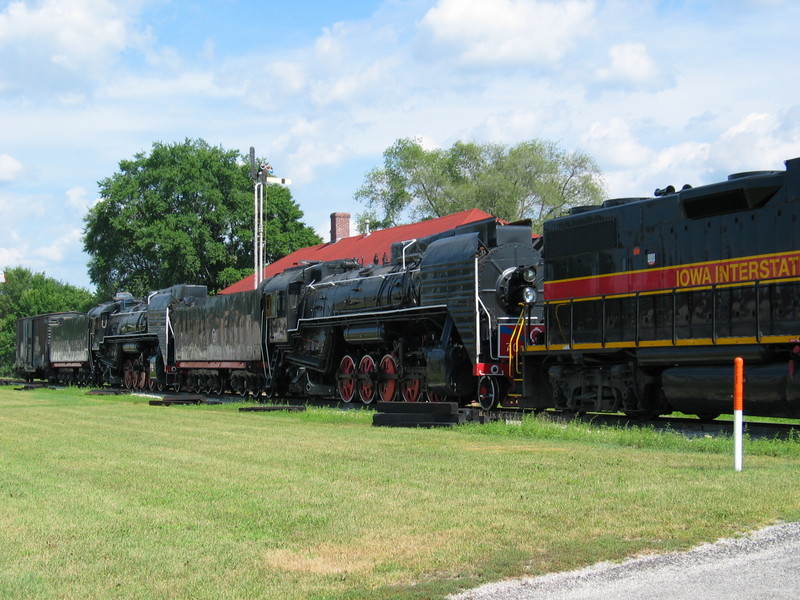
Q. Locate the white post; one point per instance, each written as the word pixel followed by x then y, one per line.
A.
pixel 738 406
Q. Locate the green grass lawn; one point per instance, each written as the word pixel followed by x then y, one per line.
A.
pixel 107 497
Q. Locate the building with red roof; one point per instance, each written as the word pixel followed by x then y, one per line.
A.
pixel 375 246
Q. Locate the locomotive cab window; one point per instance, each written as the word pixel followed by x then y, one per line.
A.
pixel 270 306
pixel 280 304
pixel 294 294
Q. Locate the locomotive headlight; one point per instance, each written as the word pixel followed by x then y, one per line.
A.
pixel 529 274
pixel 528 295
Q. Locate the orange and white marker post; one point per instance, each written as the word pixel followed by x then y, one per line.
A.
pixel 738 407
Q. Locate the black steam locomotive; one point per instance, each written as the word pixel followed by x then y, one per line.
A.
pixel 637 305
pixel 432 323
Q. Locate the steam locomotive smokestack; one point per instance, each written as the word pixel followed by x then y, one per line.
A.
pixel 340 226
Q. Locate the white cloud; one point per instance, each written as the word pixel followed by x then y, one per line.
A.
pixel 186 84
pixel 631 64
pixel 508 31
pixel 80 38
pixel 78 198
pixel 10 168
pixel 15 250
pixel 67 245
pixel 758 141
pixel 613 143
pixel 351 85
pixel 635 166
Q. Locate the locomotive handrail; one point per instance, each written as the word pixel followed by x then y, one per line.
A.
pixel 477 332
pixel 512 342
pixel 370 315
pixel 408 244
pixel 673 333
pixel 321 284
pixel 265 362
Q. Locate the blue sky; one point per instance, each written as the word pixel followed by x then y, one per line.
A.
pixel 667 92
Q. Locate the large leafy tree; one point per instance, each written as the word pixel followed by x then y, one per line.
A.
pixel 25 294
pixel 531 180
pixel 183 213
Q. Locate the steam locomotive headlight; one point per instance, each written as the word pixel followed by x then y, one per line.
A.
pixel 529 295
pixel 529 274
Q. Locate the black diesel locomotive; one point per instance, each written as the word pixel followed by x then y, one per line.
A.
pixel 637 305
pixel 649 300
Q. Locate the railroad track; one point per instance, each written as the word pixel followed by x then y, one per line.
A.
pixel 687 427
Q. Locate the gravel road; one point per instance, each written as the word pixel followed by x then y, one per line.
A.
pixel 761 565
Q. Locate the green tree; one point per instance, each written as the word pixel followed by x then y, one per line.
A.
pixel 183 214
pixel 532 180
pixel 26 294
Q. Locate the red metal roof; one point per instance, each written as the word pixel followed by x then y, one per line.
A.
pixel 365 247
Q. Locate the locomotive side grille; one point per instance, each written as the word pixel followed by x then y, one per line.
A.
pixel 586 236
pixel 727 201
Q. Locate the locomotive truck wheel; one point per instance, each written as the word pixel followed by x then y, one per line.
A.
pixel 140 376
pixel 345 380
pixel 366 379
pixel 410 388
pixel 387 388
pixel 488 392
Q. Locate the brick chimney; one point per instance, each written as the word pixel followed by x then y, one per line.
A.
pixel 340 226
